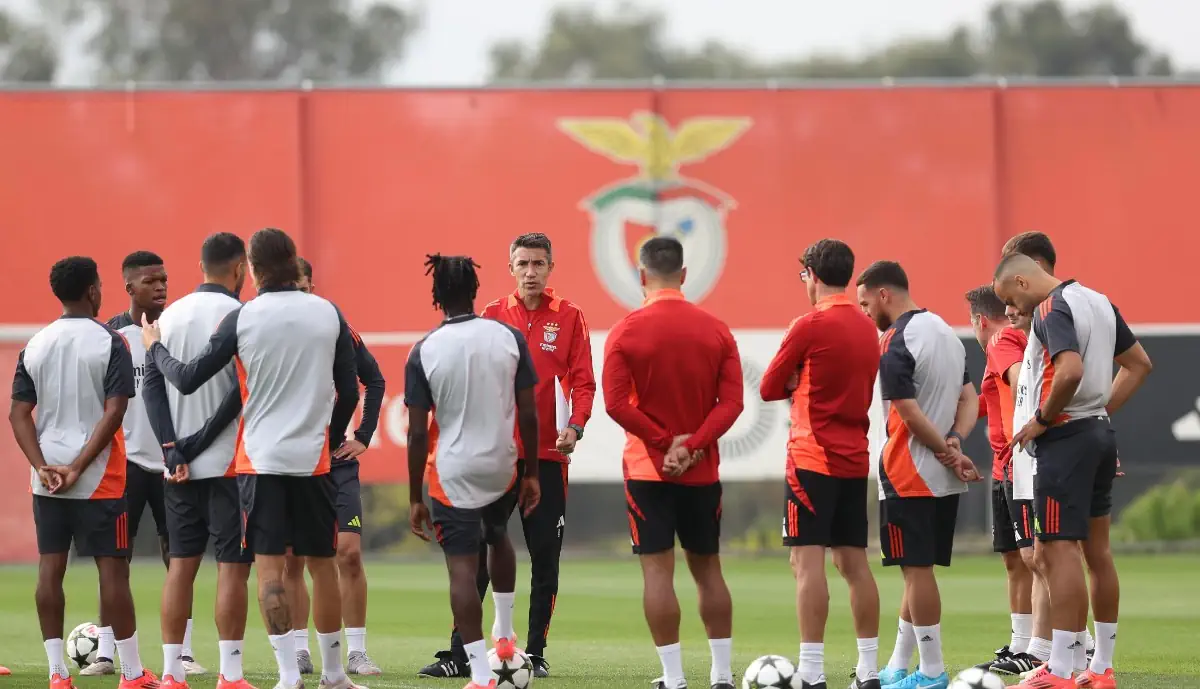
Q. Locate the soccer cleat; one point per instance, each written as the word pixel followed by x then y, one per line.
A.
pixel 918 681
pixel 490 685
pixel 146 681
pixel 540 667
pixel 304 660
pixel 223 683
pixel 358 663
pixel 506 649
pixel 889 676
pixel 59 682
pixel 722 685
pixel 820 684
pixel 661 683
pixel 863 683
pixel 102 666
pixel 4 671
pixel 1042 678
pixel 191 667
pixel 1015 664
pixel 1001 654
pixel 1095 680
pixel 447 665
pixel 169 682
pixel 344 683
pixel 298 685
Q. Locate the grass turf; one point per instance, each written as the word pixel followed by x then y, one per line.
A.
pixel 600 638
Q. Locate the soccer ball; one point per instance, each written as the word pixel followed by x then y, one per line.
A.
pixel 516 673
pixel 769 672
pixel 82 644
pixel 974 678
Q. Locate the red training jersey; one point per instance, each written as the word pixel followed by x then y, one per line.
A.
pixel 1007 347
pixel 671 368
pixel 561 347
pixel 835 350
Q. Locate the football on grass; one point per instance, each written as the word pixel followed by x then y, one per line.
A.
pixel 515 673
pixel 82 644
pixel 974 678
pixel 769 672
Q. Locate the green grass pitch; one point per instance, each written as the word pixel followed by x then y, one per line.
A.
pixel 600 638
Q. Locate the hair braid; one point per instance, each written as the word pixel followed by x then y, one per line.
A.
pixel 455 282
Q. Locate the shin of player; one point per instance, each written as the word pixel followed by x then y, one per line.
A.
pixel 78 486
pixel 1076 335
pixel 672 484
pixel 931 405
pixel 285 490
pixel 827 366
pixel 470 481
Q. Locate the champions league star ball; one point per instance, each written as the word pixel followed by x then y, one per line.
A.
pixel 516 673
pixel 769 672
pixel 82 644
pixel 974 678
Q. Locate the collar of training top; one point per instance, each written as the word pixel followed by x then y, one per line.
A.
pixel 832 300
pixel 552 302
pixel 216 289
pixel 459 319
pixel 281 288
pixel 664 295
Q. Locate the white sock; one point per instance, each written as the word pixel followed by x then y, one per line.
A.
pixel 54 656
pixel 502 628
pixel 172 663
pixel 811 667
pixel 231 660
pixel 1079 657
pixel 906 643
pixel 285 657
pixel 106 647
pixel 331 656
pixel 1062 653
pixel 187 640
pixel 929 644
pixel 301 637
pixel 671 656
pixel 1089 640
pixel 1039 648
pixel 131 662
pixel 868 659
pixel 1022 632
pixel 481 670
pixel 356 640
pixel 722 661
pixel 1106 641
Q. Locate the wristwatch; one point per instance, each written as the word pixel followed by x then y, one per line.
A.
pixel 1037 416
pixel 954 434
pixel 578 430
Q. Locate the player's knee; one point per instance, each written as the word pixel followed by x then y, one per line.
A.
pixel 851 563
pixel 293 568
pixel 1014 564
pixel 349 559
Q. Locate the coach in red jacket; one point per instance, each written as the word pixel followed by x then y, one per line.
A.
pixel 560 345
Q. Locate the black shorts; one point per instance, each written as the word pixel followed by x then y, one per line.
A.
pixel 349 495
pixel 917 532
pixel 288 511
pixel 99 528
pixel 204 508
pixel 658 510
pixel 824 510
pixel 462 530
pixel 144 489
pixel 1012 520
pixel 1076 465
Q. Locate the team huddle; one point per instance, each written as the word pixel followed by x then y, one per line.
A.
pixel 229 421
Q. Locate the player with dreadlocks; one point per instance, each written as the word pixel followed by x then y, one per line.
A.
pixel 472 475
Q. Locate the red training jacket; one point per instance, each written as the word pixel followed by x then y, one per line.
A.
pixel 1007 347
pixel 561 346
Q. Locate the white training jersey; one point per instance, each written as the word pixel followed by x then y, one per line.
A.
pixel 141 447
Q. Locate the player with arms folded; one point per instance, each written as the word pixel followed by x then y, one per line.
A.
pixel 827 366
pixel 76 449
pixel 1076 335
pixel 352 578
pixel 931 406
pixel 475 375
pixel 291 350
pixel 673 380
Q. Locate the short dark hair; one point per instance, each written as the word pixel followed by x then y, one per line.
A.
pixel 221 249
pixel 305 267
pixel 662 256
pixel 273 257
pixel 831 260
pixel 455 282
pixel 883 274
pixel 140 259
pixel 531 240
pixel 1035 245
pixel 71 277
pixel 984 302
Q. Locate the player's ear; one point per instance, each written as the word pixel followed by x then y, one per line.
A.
pixel 683 275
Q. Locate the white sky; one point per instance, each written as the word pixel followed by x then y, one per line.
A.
pixel 452 48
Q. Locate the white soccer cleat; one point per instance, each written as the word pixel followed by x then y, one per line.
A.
pixel 191 667
pixel 344 683
pixel 359 663
pixel 298 685
pixel 100 667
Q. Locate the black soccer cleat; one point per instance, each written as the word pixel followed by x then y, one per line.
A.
pixel 447 665
pixel 722 685
pixel 806 685
pixel 860 684
pixel 1015 664
pixel 661 683
pixel 1001 655
pixel 540 667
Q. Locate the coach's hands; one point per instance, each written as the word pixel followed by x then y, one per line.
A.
pixel 678 458
pixel 51 480
pixel 530 495
pixel 566 441
pixel 1028 434
pixel 793 382
pixel 965 469
pixel 349 449
pixel 150 332
pixel 68 475
pixel 419 520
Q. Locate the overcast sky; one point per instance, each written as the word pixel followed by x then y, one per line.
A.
pixel 452 48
